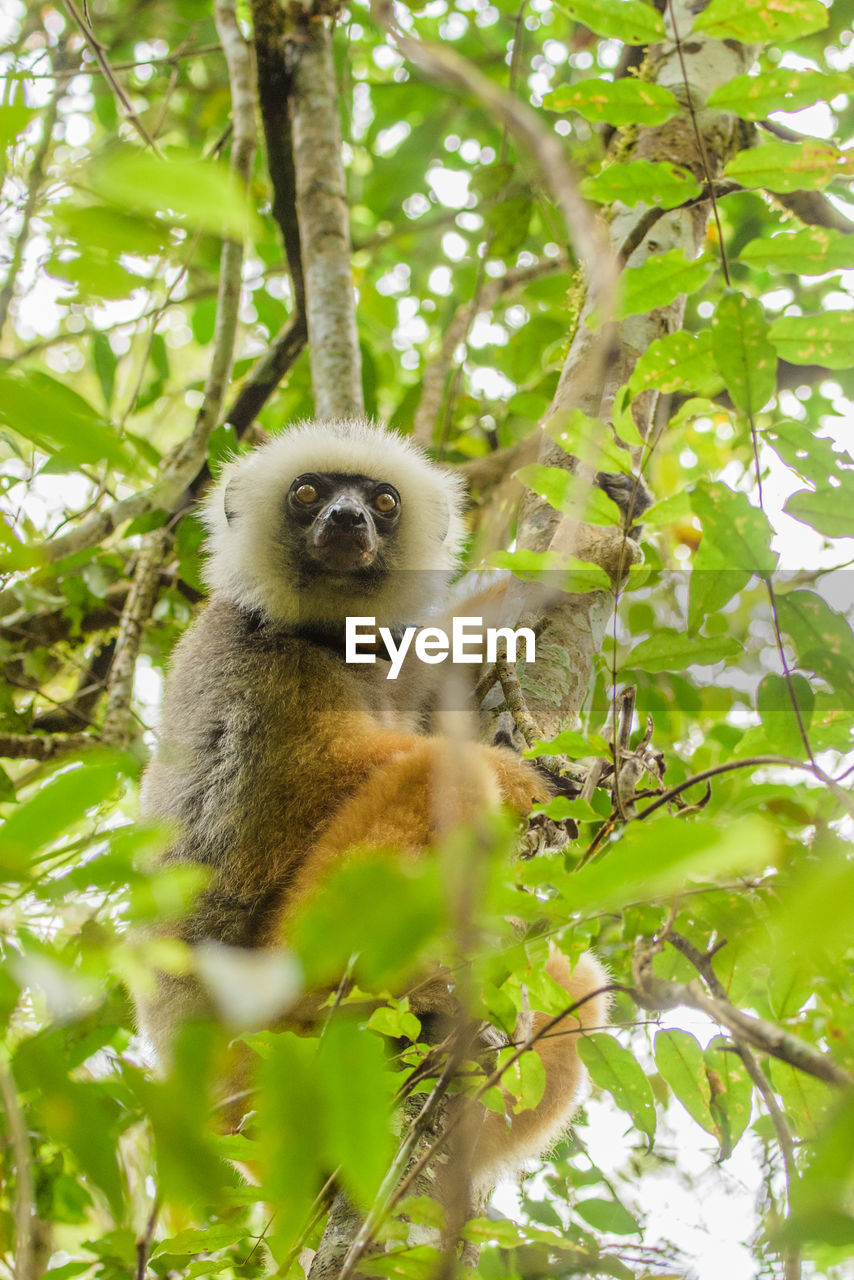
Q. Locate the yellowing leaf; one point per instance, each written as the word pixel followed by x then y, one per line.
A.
pixel 790 166
pixel 761 20
pixel 826 339
pixel 618 102
pixel 755 97
pixel 812 250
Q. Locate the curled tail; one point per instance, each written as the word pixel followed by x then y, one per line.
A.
pixel 501 1146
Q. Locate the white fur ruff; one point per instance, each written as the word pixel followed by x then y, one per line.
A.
pixel 247 561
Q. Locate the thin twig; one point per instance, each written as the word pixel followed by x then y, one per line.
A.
pixel 749 762
pixel 24 1188
pixel 98 50
pixel 454 1122
pixel 436 372
pixel 136 616
pixel 143 1244
pixel 34 185
pixel 531 138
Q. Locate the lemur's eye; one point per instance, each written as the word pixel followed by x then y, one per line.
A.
pixel 306 493
pixel 385 502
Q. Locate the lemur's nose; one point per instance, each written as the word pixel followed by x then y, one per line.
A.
pixel 346 514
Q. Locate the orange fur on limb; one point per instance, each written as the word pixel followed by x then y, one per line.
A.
pixel 397 808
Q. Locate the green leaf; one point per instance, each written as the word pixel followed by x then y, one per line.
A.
pixel 566 491
pixel 195 192
pixel 828 510
pixel 746 359
pixel 14 118
pixel 618 1071
pixel 291 1126
pixel 670 650
pixel 731 1092
pixel 627 20
pixel 784 89
pixel 823 639
pixel 657 184
pixel 790 166
pixel 568 743
pixel 96 277
pixel 655 859
pixel 53 417
pixel 200 1240
pixel 826 339
pixel 56 807
pixel 713 584
pixel 109 231
pixel 105 362
pixel 813 250
pixel 811 456
pixel 570 573
pixel 669 510
pixel 357 1090
pixel 589 439
pixel 395 1020
pixel 678 361
pixel 618 102
pixel 774 704
pixel 659 280
pixel 524 1078
pixel 608 1215
pixel 80 1114
pixel 739 531
pixel 761 20
pixel 679 1060
pixel 387 944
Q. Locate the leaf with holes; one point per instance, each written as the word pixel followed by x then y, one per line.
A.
pixel 811 456
pixel 746 359
pixel 761 20
pixel 676 362
pixel 790 166
pixel 784 89
pixel 618 102
pixel 660 280
pixel 740 531
pixel 826 339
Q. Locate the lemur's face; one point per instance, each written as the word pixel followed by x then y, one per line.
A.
pixel 341 524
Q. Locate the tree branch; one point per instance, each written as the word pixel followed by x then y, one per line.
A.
pixel 656 993
pixel 436 373
pixel 322 213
